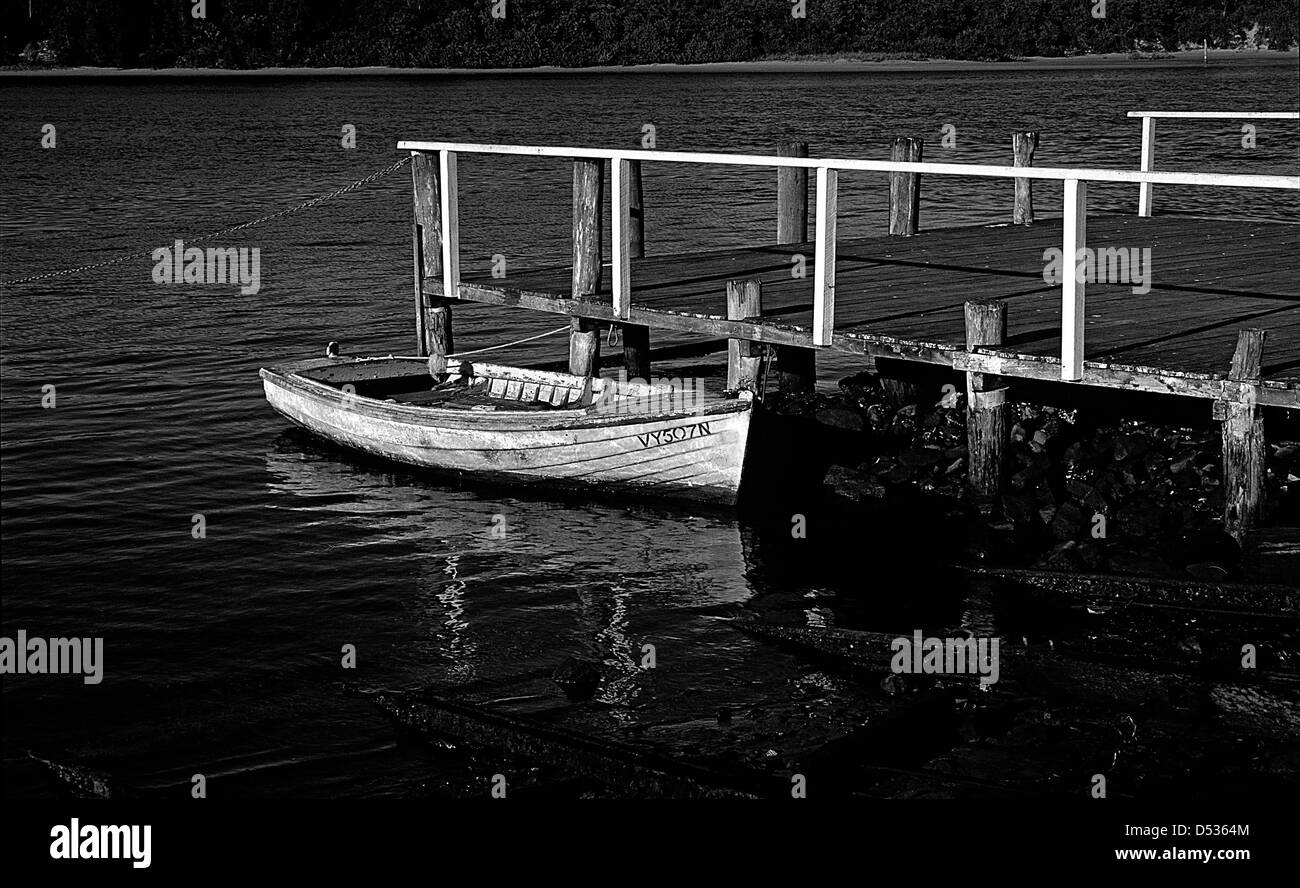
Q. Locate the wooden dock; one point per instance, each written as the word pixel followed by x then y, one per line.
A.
pixel 904 298
pixel 1195 307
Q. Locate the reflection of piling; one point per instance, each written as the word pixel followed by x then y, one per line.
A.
pixel 588 190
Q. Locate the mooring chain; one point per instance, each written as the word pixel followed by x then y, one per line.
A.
pixel 216 234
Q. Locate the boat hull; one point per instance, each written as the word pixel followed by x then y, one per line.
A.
pixel 695 456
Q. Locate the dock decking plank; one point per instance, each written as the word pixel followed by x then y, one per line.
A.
pixel 1209 278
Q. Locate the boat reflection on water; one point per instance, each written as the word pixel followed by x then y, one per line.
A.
pixel 497 586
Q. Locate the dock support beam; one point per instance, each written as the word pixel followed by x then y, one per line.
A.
pixel 744 301
pixel 1243 439
pixel 986 400
pixel 904 221
pixel 434 327
pixel 1023 146
pixel 796 367
pixel 588 191
pixel 636 337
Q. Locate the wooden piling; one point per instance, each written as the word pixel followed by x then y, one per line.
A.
pixel 796 367
pixel 636 337
pixel 588 192
pixel 1243 438
pixel 904 219
pixel 986 407
pixel 434 326
pixel 744 300
pixel 905 188
pixel 1023 146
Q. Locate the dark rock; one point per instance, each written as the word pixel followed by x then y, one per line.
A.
pixel 1069 522
pixel 577 678
pixel 853 484
pixel 1130 445
pixel 1139 517
pixel 924 456
pixel 878 417
pixel 1086 495
pixel 1019 508
pixel 899 475
pixel 883 465
pixel 1063 556
pixel 840 418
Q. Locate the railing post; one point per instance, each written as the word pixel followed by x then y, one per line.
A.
pixel 905 188
pixel 1023 146
pixel 1074 243
pixel 796 367
pixel 450 209
pixel 744 300
pixel 636 337
pixel 1148 164
pixel 584 333
pixel 824 259
pixel 620 196
pixel 436 341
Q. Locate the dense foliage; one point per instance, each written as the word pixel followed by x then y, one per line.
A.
pixel 466 33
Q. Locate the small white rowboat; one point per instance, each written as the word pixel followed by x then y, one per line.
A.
pixel 516 425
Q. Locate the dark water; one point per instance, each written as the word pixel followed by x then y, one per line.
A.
pixel 223 654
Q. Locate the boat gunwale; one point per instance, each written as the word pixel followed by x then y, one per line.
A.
pixel 289 377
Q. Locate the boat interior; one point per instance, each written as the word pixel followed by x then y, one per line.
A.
pixel 477 386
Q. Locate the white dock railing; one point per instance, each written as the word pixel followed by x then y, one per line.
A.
pixel 1149 137
pixel 1074 238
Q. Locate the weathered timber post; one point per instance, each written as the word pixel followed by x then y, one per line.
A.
pixel 796 367
pixel 636 337
pixel 904 220
pixel 905 188
pixel 1023 146
pixel 588 190
pixel 1243 438
pixel 434 325
pixel 744 300
pixel 986 396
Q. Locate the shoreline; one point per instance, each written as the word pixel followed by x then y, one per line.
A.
pixel 811 65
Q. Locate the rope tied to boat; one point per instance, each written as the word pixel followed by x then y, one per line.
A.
pixel 288 211
pixel 487 348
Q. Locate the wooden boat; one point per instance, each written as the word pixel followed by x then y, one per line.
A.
pixel 518 425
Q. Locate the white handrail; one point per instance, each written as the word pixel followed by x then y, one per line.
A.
pixel 1227 180
pixel 1149 138
pixel 1220 115
pixel 1074 227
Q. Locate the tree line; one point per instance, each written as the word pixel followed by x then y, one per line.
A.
pixel 579 33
